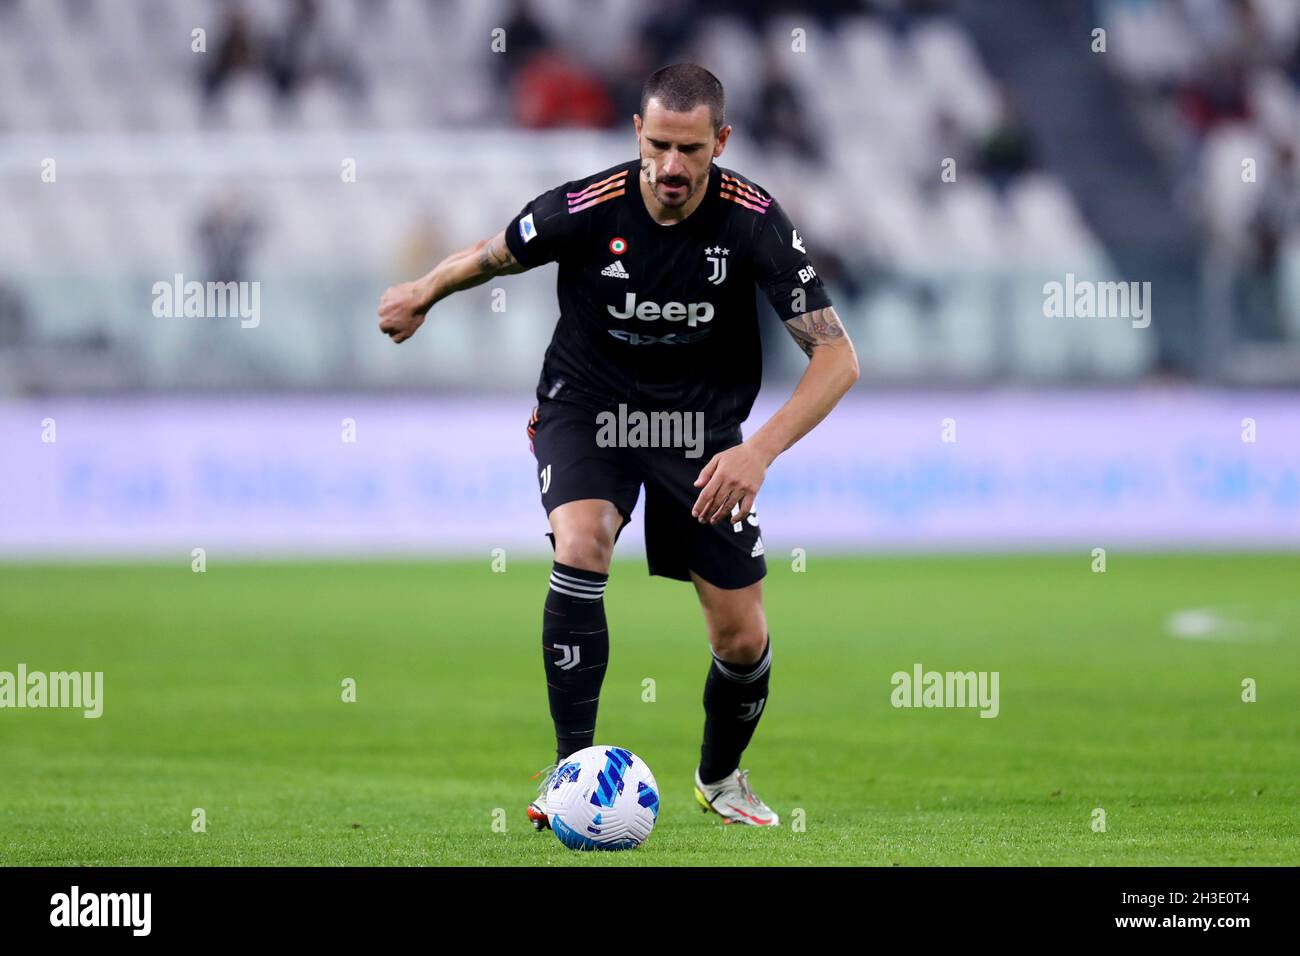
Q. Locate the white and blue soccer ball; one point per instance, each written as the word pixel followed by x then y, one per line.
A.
pixel 603 798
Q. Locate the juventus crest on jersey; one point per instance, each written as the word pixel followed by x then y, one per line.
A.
pixel 663 316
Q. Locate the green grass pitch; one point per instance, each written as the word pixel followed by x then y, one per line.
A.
pixel 223 692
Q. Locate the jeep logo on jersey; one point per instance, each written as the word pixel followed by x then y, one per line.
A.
pixel 693 313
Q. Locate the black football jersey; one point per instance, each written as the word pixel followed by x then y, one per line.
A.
pixel 663 317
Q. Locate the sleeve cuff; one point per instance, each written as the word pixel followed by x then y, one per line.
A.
pixel 514 243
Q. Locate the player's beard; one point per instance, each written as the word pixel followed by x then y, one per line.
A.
pixel 677 198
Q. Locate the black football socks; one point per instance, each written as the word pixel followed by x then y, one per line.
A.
pixel 575 647
pixel 734 696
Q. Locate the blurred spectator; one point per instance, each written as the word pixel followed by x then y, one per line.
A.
pixel 525 38
pixel 845 281
pixel 551 90
pixel 665 33
pixel 1006 152
pixel 304 51
pixel 226 235
pixel 1273 233
pixel 237 51
pixel 783 114
pixel 1217 94
pixel 661 38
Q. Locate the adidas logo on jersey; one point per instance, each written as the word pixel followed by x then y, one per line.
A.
pixel 615 270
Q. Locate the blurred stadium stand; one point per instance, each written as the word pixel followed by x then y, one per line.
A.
pixel 229 164
pixel 1213 85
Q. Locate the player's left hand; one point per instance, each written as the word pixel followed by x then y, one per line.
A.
pixel 730 479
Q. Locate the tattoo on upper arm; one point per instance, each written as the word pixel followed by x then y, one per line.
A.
pixel 819 327
pixel 495 257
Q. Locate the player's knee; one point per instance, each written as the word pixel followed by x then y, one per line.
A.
pixel 739 639
pixel 590 548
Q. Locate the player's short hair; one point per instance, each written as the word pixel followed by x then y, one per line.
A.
pixel 684 86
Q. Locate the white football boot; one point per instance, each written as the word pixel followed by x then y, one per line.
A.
pixel 734 801
pixel 538 813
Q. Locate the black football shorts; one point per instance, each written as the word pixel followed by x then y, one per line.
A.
pixel 571 466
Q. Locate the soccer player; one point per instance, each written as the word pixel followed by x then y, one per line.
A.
pixel 658 260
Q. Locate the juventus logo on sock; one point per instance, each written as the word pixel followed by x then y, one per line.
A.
pixel 570 656
pixel 751 710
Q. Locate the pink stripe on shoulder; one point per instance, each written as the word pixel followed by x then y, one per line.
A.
pixel 748 205
pixel 596 201
pixel 595 187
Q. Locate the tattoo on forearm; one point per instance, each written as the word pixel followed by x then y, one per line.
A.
pixel 497 258
pixel 820 327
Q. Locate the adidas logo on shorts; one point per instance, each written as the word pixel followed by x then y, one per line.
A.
pixel 615 270
pixel 758 549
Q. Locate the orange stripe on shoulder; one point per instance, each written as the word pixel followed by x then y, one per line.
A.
pixel 577 205
pixel 743 199
pixel 609 182
pixel 746 189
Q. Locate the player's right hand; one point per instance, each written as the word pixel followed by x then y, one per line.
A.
pixel 401 311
